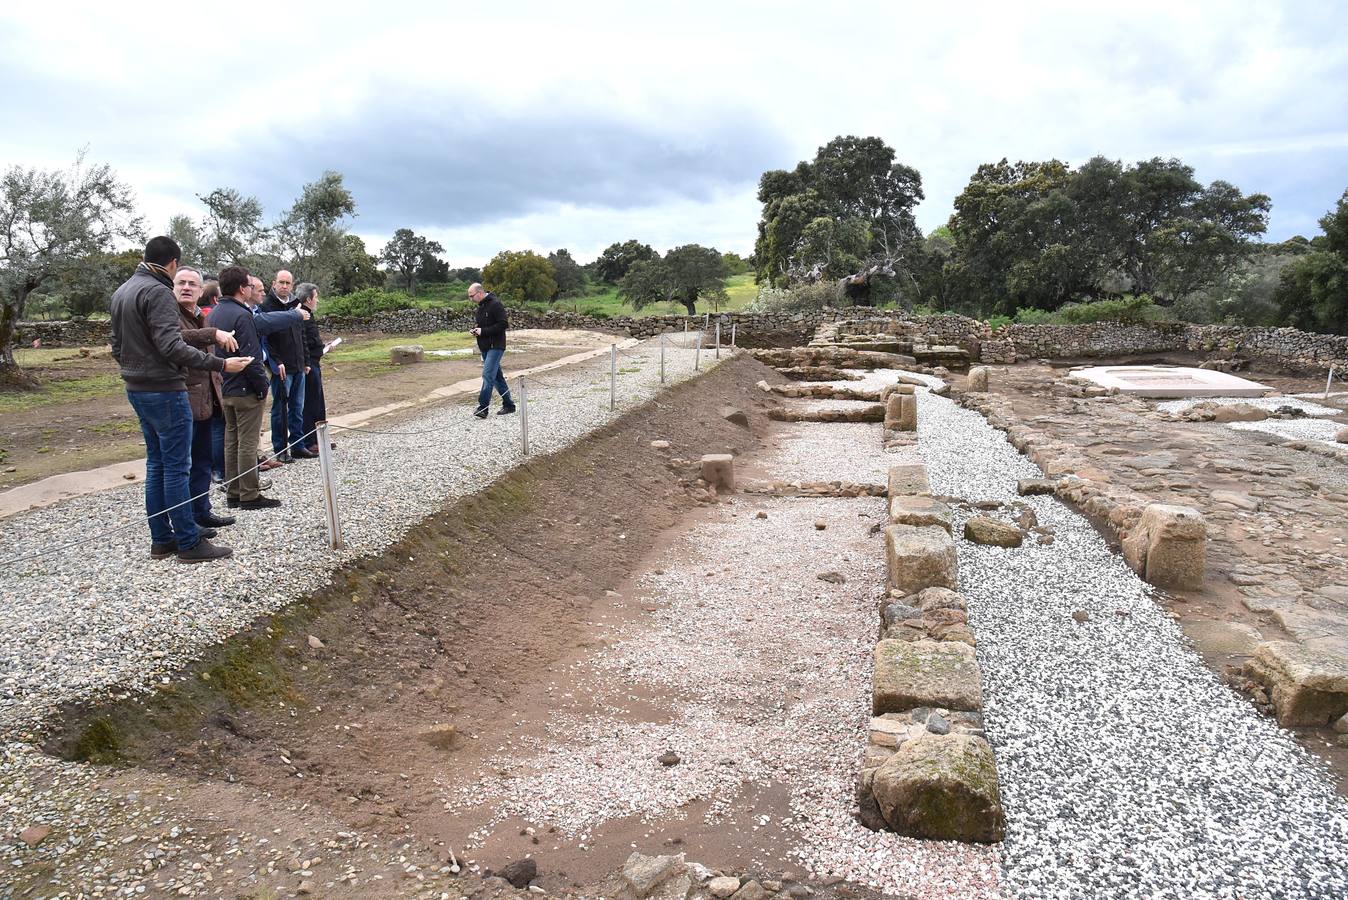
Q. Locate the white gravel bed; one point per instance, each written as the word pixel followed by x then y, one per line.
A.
pixel 875 379
pixel 1294 429
pixel 1309 407
pixel 103 617
pixel 1127 768
pixel 768 670
pixel 834 451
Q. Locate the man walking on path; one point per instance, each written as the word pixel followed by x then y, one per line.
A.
pixel 492 323
pixel 285 349
pixel 245 393
pixel 148 345
pixel 315 405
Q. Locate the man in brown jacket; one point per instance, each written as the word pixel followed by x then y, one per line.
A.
pixel 203 395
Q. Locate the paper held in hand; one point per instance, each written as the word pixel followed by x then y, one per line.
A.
pixel 327 348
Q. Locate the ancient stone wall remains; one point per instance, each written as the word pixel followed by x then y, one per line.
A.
pixel 1283 346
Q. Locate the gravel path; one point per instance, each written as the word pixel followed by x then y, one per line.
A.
pixel 1127 768
pixel 103 618
pixel 765 673
pixel 1309 407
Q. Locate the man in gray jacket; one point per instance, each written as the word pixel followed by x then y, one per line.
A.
pixel 148 345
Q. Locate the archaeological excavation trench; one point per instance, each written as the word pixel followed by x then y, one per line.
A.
pixel 803 625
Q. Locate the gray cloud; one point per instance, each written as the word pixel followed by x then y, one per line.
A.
pixel 425 164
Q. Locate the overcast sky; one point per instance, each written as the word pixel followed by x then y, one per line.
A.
pixel 542 125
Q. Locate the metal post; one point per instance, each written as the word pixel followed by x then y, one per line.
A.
pixel 612 377
pixel 706 321
pixel 697 354
pixel 1328 380
pixel 733 325
pixel 718 338
pixel 685 327
pixel 325 467
pixel 524 415
pixel 662 357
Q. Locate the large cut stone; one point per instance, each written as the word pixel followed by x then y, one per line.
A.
pixel 908 479
pixel 1168 546
pixel 977 382
pixel 919 509
pixel 407 354
pixel 1239 412
pixel 920 557
pixel 992 532
pixel 1308 686
pixel 941 787
pixel 909 674
pixel 718 470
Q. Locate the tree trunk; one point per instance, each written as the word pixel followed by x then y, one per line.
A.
pixel 690 305
pixel 12 378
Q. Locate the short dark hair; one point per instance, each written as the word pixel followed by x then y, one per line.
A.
pixel 162 250
pixel 209 292
pixel 232 280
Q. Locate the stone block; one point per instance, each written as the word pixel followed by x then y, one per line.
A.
pixel 992 532
pixel 1308 686
pixel 1168 546
pixel 406 354
pixel 908 479
pixel 977 381
pixel 920 557
pixel 1342 436
pixel 1239 412
pixel 941 787
pixel 1029 487
pixel 718 470
pixel 919 509
pixel 735 416
pixel 909 674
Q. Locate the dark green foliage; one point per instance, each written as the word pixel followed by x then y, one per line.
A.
pixel 1041 234
pixel 686 275
pixel 356 269
pixel 365 303
pixel 1313 293
pixel 851 207
pixel 409 254
pixel 568 274
pixel 519 276
pixel 616 259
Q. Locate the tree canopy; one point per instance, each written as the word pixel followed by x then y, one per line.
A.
pixel 51 222
pixel 408 254
pixel 568 274
pixel 686 275
pixel 616 259
pixel 517 276
pixel 849 208
pixel 1313 293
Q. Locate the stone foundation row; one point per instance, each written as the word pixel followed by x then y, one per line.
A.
pixel 928 771
pixel 1166 545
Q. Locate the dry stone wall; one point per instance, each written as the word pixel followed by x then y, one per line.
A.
pixel 1283 346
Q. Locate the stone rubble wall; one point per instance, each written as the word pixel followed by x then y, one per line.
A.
pixel 977 339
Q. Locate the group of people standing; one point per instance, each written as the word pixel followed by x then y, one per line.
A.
pixel 198 359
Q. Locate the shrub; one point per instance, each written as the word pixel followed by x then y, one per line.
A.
pixel 1126 309
pixel 798 297
pixel 363 304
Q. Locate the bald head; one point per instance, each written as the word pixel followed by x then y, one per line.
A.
pixel 475 292
pixel 282 284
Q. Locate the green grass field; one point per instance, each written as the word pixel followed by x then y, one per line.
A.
pixel 377 351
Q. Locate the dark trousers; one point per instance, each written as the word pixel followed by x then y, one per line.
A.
pixel 199 480
pixel 315 406
pixel 243 422
pixel 218 444
pixel 287 410
pixel 493 378
pixel 166 423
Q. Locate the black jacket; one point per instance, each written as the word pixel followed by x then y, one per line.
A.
pixel 313 343
pixel 286 346
pixel 490 316
pixel 234 315
pixel 147 339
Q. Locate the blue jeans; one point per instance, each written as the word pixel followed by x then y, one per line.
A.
pixel 287 411
pixel 492 378
pixel 199 478
pixel 166 422
pixel 218 445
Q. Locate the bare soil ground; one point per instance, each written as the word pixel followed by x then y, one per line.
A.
pixel 1274 570
pixel 466 622
pixel 96 426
